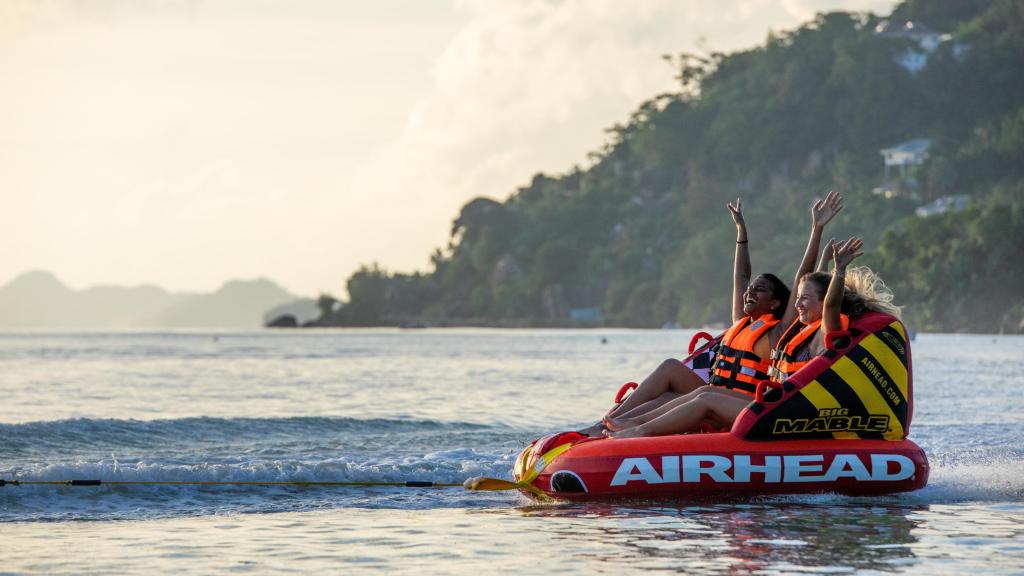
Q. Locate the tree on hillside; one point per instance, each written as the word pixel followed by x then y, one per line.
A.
pixel 641 233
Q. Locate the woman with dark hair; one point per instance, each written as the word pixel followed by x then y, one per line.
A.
pixel 760 307
pixel 825 303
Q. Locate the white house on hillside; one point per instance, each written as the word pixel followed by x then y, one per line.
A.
pixel 910 153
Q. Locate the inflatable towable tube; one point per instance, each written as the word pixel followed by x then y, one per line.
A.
pixel 837 425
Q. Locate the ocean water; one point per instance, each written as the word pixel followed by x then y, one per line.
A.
pixel 444 405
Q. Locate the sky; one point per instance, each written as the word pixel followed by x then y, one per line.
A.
pixel 184 143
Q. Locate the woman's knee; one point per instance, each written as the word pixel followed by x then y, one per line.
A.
pixel 670 365
pixel 706 397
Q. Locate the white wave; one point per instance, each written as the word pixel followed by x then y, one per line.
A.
pixel 998 479
pixel 990 479
pixel 445 466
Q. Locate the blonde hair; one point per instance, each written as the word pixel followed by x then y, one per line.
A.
pixel 865 290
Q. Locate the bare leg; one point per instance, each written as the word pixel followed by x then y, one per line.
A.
pixel 670 380
pixel 648 406
pixel 608 423
pixel 671 376
pixel 638 416
pixel 644 411
pixel 642 414
pixel 719 409
pixel 594 429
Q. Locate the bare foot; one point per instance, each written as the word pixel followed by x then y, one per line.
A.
pixel 618 423
pixel 634 432
pixel 595 430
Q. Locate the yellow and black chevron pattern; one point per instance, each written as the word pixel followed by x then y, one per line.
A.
pixel 863 394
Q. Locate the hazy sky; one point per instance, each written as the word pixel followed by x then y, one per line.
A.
pixel 188 142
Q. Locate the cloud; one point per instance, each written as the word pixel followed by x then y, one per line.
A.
pixel 186 142
pixel 804 10
pixel 523 87
pixel 527 87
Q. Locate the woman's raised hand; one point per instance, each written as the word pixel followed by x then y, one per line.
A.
pixel 845 252
pixel 737 212
pixel 826 255
pixel 823 211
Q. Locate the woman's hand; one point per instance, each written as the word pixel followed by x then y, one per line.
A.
pixel 842 254
pixel 737 213
pixel 826 255
pixel 847 251
pixel 741 260
pixel 823 211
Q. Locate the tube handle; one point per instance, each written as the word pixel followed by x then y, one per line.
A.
pixel 697 338
pixel 762 387
pixel 626 388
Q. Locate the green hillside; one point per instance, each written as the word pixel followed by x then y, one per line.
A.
pixel 641 237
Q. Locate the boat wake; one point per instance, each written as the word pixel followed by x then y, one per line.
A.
pixel 336 450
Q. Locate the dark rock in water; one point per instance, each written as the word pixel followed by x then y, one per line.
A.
pixel 283 321
pixel 303 309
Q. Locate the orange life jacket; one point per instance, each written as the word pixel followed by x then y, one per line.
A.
pixel 783 360
pixel 737 366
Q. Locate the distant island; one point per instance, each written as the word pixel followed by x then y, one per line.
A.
pixel 917 117
pixel 38 300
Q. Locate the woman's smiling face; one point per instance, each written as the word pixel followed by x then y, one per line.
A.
pixel 808 302
pixel 758 298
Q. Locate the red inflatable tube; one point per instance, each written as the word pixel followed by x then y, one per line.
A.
pixel 693 465
pixel 840 424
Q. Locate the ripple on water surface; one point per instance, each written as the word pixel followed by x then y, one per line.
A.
pixel 445 405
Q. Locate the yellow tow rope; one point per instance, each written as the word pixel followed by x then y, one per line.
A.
pixel 526 477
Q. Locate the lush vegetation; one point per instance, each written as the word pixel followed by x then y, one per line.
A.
pixel 642 234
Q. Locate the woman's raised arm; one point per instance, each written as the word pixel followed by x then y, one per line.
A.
pixel 822 212
pixel 826 255
pixel 741 261
pixel 842 254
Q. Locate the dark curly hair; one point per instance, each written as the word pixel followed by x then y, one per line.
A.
pixel 779 291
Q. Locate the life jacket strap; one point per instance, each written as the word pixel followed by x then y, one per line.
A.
pixel 743 387
pixel 738 354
